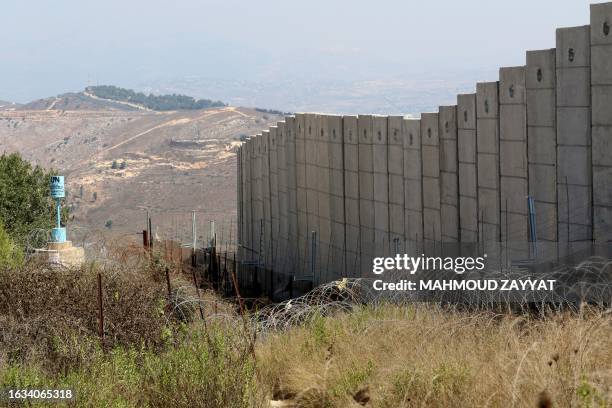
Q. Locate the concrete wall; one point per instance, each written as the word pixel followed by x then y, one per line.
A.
pixel 601 91
pixel 266 199
pixel 337 246
pixel 468 180
pixel 258 211
pixel 573 60
pixel 395 155
pixel 371 185
pixel 542 140
pixel 312 195
pixel 413 184
pixel 380 166
pixel 430 144
pixel 292 217
pixel 302 202
pixel 449 168
pixel 366 193
pixel 281 260
pixel 487 136
pixel 323 189
pixel 351 196
pixel 513 163
pixel 274 200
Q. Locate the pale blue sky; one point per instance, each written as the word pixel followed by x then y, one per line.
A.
pixel 50 47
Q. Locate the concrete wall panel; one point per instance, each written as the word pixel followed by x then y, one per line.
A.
pixel 601 90
pixel 351 199
pixel 487 125
pixel 395 156
pixel 468 182
pixel 292 233
pixel 336 181
pixel 449 168
pixel 413 182
pixel 366 193
pixel 574 133
pixel 431 176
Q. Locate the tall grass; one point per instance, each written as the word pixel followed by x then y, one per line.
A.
pixel 427 356
pixel 418 355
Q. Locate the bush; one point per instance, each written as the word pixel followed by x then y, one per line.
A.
pixel 25 202
pixel 49 315
pixel 10 254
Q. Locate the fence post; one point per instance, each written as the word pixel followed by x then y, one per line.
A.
pixel 168 284
pixel 100 310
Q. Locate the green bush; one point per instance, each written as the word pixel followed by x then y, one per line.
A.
pixel 25 202
pixel 11 255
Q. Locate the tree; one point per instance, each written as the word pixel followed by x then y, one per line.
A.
pixel 25 202
pixel 114 165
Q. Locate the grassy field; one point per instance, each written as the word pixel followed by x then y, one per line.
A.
pixel 380 356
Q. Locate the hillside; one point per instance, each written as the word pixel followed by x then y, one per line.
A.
pixel 171 162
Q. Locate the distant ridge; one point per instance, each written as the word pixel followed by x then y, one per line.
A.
pixel 140 100
pixel 108 97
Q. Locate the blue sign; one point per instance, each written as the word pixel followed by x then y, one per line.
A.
pixel 57 187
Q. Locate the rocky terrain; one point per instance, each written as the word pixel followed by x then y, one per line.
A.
pixel 120 161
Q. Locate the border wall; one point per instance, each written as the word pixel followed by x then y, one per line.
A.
pixel 520 169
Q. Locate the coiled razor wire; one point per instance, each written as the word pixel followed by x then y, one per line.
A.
pixel 586 283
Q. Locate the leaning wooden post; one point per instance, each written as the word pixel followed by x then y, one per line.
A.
pixel 100 310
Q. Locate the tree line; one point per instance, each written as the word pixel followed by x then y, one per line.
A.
pixel 150 101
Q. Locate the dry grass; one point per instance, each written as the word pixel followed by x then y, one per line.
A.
pixel 49 315
pixel 160 354
pixel 426 356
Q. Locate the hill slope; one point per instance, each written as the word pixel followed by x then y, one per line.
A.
pixel 118 161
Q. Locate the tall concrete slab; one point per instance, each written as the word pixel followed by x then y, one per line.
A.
pixel 292 233
pixel 323 189
pixel 542 140
pixel 487 141
pixel 430 144
pixel 574 181
pixel 381 185
pixel 601 91
pixel 449 170
pixel 351 196
pixel 312 194
pixel 240 196
pixel 267 200
pixel 282 261
pixel 249 214
pixel 274 199
pixel 514 187
pixel 366 194
pixel 468 171
pixel 303 231
pixel 395 155
pixel 258 211
pixel 413 186
pixel 337 247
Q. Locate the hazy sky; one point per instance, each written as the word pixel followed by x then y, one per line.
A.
pixel 50 47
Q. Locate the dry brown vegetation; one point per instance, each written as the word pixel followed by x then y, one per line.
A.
pixel 158 355
pixel 427 356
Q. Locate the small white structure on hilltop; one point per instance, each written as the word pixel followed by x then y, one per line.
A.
pixel 59 250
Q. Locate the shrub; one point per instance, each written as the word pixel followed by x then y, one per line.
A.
pixel 25 202
pixel 10 254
